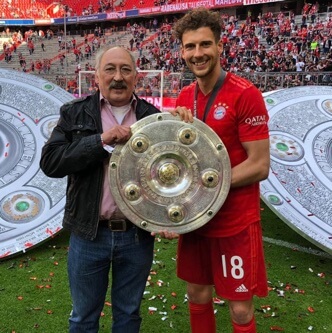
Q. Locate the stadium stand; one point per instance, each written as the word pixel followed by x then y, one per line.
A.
pixel 274 50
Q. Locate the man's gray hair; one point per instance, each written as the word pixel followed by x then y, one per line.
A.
pixel 104 49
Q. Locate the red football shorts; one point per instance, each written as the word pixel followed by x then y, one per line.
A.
pixel 234 265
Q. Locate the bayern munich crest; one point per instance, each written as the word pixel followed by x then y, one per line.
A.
pixel 219 112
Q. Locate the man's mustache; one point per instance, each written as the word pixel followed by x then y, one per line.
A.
pixel 118 85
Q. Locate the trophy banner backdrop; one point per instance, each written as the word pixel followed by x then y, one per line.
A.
pixel 299 186
pixel 31 204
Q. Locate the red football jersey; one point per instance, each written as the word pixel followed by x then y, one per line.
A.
pixel 238 114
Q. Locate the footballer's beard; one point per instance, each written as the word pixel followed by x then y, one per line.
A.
pixel 194 64
pixel 195 68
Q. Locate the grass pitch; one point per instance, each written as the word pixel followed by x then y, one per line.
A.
pixel 35 296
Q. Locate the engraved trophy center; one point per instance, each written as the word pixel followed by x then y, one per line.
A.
pixel 169 173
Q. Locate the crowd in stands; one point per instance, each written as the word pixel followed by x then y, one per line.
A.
pixel 13 49
pixel 274 43
pixel 46 9
pixel 14 9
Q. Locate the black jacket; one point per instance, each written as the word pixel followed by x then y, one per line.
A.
pixel 75 150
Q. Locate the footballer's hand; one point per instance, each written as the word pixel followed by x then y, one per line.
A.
pixel 184 113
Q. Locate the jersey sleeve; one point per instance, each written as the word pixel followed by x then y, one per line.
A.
pixel 252 116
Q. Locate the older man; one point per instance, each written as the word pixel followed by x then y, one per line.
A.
pixel 101 236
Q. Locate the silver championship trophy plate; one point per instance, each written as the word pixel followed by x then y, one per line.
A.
pixel 31 204
pixel 299 187
pixel 171 175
